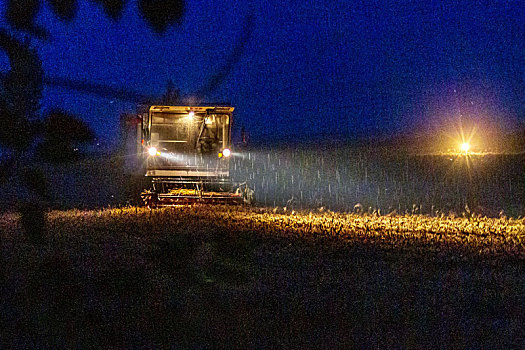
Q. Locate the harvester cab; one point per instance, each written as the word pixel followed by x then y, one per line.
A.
pixel 187 154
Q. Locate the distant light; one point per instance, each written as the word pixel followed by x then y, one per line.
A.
pixel 226 152
pixel 465 147
pixel 191 115
pixel 152 151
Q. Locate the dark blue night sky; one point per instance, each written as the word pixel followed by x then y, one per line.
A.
pixel 311 68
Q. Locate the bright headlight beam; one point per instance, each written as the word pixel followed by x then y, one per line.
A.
pixel 465 147
pixel 152 151
pixel 226 152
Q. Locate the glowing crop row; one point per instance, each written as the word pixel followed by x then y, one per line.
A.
pixel 475 236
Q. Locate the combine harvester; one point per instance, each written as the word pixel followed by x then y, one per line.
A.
pixel 186 152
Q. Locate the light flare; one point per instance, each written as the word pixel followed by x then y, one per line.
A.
pixel 152 151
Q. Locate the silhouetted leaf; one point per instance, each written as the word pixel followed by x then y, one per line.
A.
pixel 160 14
pixel 64 9
pixel 62 134
pixel 57 152
pixel 14 133
pixel 63 126
pixel 23 83
pixel 112 8
pixel 20 93
pixel 21 14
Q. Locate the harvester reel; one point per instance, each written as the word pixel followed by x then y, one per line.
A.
pixel 198 194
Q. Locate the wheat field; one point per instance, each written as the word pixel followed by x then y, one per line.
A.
pixel 242 277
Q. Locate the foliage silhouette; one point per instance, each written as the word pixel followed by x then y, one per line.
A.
pixel 62 135
pixel 26 133
pixel 21 14
pixel 60 125
pixel 161 14
pixel 112 8
pixel 64 9
pixel 32 136
pixel 20 93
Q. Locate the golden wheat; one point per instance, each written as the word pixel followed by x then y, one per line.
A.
pixel 503 237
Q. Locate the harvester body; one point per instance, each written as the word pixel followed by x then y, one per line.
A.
pixel 187 152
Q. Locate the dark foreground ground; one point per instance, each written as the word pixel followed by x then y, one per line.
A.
pixel 221 277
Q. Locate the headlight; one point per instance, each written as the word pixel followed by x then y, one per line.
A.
pixel 226 152
pixel 465 147
pixel 152 151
